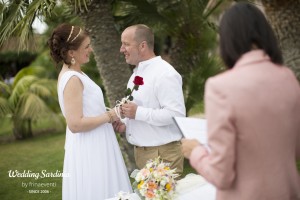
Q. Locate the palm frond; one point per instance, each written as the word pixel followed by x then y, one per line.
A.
pixel 128 12
pixel 211 7
pixel 21 87
pixel 79 5
pixel 45 88
pixel 39 90
pixel 2 8
pixel 31 106
pixel 18 17
pixel 4 107
pixel 5 89
pixel 32 70
pixel 50 83
pixel 12 14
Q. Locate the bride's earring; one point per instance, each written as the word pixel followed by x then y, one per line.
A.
pixel 73 61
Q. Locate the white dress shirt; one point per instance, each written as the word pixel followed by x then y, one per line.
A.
pixel 159 100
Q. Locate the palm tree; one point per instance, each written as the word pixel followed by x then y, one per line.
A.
pixel 5 91
pixel 33 98
pixel 192 50
pixel 27 100
pixel 284 17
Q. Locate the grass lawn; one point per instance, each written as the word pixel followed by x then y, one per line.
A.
pixel 33 156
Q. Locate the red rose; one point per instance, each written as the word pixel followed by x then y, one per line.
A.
pixel 138 80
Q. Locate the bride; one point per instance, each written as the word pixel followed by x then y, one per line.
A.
pixel 93 160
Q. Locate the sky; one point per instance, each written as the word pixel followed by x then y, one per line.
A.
pixel 39 27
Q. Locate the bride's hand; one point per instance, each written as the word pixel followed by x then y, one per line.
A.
pixel 114 115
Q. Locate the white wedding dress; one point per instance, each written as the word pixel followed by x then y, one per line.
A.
pixel 94 168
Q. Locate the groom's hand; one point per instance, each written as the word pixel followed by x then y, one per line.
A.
pixel 129 110
pixel 119 126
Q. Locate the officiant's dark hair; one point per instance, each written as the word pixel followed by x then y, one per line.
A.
pixel 244 27
pixel 65 37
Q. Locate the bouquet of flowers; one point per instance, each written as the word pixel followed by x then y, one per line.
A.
pixel 123 195
pixel 156 181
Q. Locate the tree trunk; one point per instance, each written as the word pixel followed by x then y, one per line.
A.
pixel 284 17
pixel 22 128
pixel 29 127
pixel 113 70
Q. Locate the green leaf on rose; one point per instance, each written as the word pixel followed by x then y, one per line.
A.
pixel 136 87
pixel 128 92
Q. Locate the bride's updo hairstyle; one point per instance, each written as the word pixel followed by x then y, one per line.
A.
pixel 65 37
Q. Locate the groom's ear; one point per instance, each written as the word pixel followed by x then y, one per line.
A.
pixel 144 44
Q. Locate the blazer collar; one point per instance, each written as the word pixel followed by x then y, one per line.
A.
pixel 254 56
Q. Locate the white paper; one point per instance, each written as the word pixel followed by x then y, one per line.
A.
pixel 205 192
pixel 192 128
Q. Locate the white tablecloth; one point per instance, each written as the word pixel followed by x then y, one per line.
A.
pixel 191 187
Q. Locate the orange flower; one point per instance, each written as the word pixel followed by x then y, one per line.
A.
pixel 150 194
pixel 152 185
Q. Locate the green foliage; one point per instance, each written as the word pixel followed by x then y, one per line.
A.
pixel 45 64
pixel 5 128
pixel 4 107
pixel 5 91
pixel 11 62
pixel 128 12
pixel 29 99
pixel 17 17
pixel 29 71
pixel 24 57
pixel 195 80
pixel 63 13
pixel 192 47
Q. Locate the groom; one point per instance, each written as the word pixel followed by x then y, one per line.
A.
pixel 150 127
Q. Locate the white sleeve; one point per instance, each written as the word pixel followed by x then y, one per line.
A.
pixel 168 91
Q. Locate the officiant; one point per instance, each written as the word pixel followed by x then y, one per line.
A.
pixel 149 125
pixel 253 115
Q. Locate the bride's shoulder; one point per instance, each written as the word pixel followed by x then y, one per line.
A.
pixel 66 76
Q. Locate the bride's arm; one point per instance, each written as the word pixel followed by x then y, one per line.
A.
pixel 74 112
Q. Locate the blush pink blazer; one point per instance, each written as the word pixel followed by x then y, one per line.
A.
pixel 253 114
